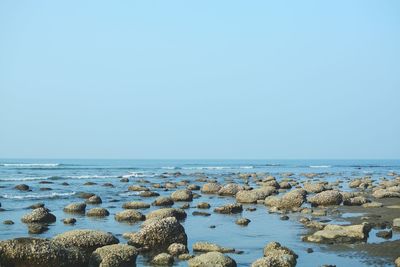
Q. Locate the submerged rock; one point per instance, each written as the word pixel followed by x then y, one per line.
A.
pixel 40 215
pixel 212 259
pixel 135 205
pixel 242 221
pixel 208 247
pixel 116 255
pixel 340 234
pixel 159 234
pixel 37 252
pixel 37 228
pixel 22 187
pixel 229 208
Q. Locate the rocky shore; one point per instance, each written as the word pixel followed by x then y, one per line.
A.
pixel 162 239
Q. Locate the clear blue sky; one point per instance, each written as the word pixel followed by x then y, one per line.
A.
pixel 200 79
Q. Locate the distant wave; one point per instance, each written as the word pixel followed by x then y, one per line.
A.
pixel 130 193
pixel 137 175
pixel 25 178
pixel 39 196
pixel 170 168
pixel 90 176
pixel 320 166
pixel 31 165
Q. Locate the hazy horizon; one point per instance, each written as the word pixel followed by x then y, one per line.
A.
pixel 200 80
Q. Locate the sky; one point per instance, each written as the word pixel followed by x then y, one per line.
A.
pixel 200 79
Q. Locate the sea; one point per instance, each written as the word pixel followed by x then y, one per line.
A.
pixel 263 228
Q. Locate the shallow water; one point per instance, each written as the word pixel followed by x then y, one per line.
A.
pixel 264 227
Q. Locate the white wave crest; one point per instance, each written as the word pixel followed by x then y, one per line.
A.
pixel 30 165
pixel 26 178
pixel 127 194
pixel 39 196
pixel 320 166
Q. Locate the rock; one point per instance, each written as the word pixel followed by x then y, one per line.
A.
pixel 314 188
pixel 185 257
pixel 40 215
pixel 97 212
pixel 135 205
pixel 385 234
pixel 116 255
pixel 37 252
pixel 284 217
pixel 355 201
pixel 8 222
pixel 201 213
pixel 163 201
pixel 163 259
pixel 159 234
pixel 326 198
pixel 129 216
pixel 182 195
pixel 94 200
pixel 396 223
pixel 372 204
pixel 309 250
pixel 87 240
pixel 242 221
pixel 208 247
pixel 179 214
pixel 289 201
pixel 22 187
pixel 84 195
pixel 340 234
pixel 37 228
pixel 137 188
pixel 75 208
pixel 212 259
pixel 69 221
pixel 149 194
pixel 203 205
pixel 251 196
pixel 285 185
pixel 276 255
pixel 385 193
pixel 230 189
pixel 229 208
pixel 36 206
pixel 176 249
pixel 397 262
pixel 193 187
pixel 210 188
pixel 124 180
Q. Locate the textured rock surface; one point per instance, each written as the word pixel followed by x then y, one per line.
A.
pixel 340 234
pixel 326 198
pixel 129 216
pixel 208 247
pixel 40 215
pixel 212 259
pixel 116 255
pixel 179 214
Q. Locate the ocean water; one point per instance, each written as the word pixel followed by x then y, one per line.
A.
pixel 264 227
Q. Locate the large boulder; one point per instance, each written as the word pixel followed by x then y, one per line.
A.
pixel 37 252
pixel 229 208
pixel 251 196
pixel 116 255
pixel 340 234
pixel 159 234
pixel 129 216
pixel 276 255
pixel 326 198
pixel 87 240
pixel 387 193
pixel 75 208
pixel 182 195
pixel 163 201
pixel 179 214
pixel 40 215
pixel 97 212
pixel 289 201
pixel 210 188
pixel 314 187
pixel 212 259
